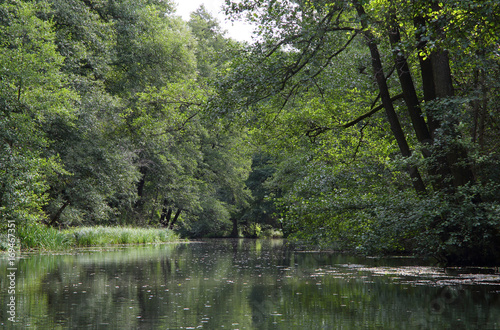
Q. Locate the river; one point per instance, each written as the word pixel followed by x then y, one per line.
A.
pixel 241 284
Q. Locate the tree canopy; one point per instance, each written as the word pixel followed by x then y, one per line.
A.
pixel 363 125
pixel 315 84
pixel 103 118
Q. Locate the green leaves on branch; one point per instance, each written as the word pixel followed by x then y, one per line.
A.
pixel 310 90
pixel 31 93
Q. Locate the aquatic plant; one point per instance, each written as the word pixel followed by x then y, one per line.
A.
pixel 37 236
pixel 95 236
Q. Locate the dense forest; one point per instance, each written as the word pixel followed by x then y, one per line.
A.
pixel 358 125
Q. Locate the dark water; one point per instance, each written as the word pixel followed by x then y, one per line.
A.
pixel 242 284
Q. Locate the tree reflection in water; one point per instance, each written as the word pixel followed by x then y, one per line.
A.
pixel 244 284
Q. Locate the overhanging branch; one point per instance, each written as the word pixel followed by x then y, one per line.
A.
pixel 317 130
pixel 371 112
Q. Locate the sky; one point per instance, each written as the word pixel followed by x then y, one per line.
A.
pixel 238 30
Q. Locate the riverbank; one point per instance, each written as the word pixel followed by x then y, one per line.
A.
pixel 40 237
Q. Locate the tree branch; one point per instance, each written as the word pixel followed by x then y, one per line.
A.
pixel 371 112
pixel 317 130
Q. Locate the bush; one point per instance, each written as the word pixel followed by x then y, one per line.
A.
pixel 270 232
pixel 454 229
pixel 253 230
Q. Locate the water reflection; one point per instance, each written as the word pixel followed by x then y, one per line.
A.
pixel 243 284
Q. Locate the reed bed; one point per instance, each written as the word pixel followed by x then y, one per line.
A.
pixel 98 236
pixel 37 236
pixel 40 237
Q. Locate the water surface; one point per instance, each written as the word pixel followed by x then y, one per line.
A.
pixel 242 284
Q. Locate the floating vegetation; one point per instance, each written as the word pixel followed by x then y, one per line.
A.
pixel 416 275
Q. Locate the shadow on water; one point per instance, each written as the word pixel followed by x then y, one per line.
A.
pixel 244 284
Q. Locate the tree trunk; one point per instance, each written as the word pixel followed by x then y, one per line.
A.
pixel 408 88
pixel 174 220
pixel 438 168
pixel 437 83
pixel 457 156
pixel 140 190
pixel 166 214
pixel 425 70
pixel 483 111
pixel 392 117
pixel 234 232
pixel 441 72
pixel 55 219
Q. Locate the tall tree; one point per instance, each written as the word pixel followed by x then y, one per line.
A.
pixel 301 43
pixel 32 92
pixel 98 160
pixel 392 117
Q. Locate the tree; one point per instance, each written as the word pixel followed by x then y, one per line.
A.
pixel 301 43
pixel 213 50
pixel 98 160
pixel 153 47
pixel 261 209
pixel 32 92
pixel 104 117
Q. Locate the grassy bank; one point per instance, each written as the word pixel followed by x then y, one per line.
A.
pixel 92 236
pixel 44 238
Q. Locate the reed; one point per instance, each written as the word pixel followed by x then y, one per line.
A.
pixel 100 235
pixel 40 237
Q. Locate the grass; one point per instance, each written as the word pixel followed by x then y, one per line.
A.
pixel 97 236
pixel 36 236
pixel 40 237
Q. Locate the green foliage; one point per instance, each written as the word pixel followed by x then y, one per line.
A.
pixel 152 48
pixel 100 175
pixel 101 236
pixel 254 230
pixel 82 37
pixel 213 51
pixel 103 118
pixel 305 89
pixel 31 93
pixel 270 232
pixel 211 221
pixel 40 237
pixel 261 208
pixel 456 230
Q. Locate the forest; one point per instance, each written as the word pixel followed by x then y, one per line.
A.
pixel 365 126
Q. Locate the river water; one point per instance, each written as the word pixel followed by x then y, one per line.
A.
pixel 242 284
